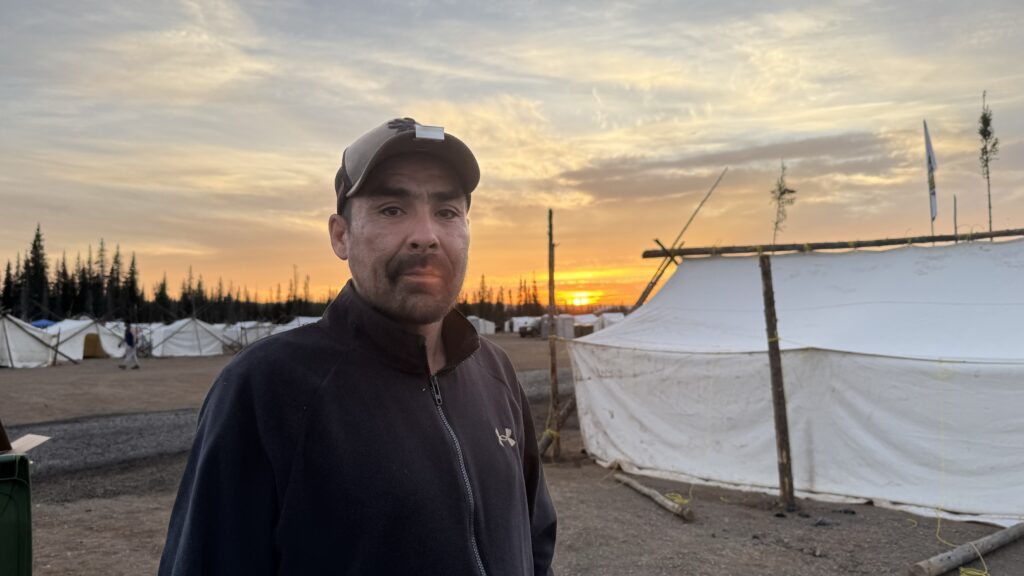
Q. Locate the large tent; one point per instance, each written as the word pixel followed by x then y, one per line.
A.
pixel 903 377
pixel 77 339
pixel 245 333
pixel 187 337
pixel 294 323
pixel 482 325
pixel 23 345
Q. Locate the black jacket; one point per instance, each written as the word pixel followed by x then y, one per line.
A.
pixel 330 449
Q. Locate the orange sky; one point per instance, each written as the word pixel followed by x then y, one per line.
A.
pixel 207 134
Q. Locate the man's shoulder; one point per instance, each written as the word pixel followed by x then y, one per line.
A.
pixel 493 360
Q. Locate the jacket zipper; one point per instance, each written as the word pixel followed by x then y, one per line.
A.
pixel 435 391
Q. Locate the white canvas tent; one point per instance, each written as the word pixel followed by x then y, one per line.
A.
pixel 482 325
pixel 187 337
pixel 514 323
pixel 903 377
pixel 71 336
pixel 609 318
pixel 294 323
pixel 23 345
pixel 247 332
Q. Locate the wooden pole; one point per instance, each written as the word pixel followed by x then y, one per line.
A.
pixel 956 230
pixel 963 554
pixel 778 391
pixel 550 434
pixel 553 410
pixel 675 244
pixel 661 500
pixel 808 247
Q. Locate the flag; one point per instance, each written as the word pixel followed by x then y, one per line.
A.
pixel 932 165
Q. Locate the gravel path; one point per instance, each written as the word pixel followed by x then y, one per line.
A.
pixel 103 441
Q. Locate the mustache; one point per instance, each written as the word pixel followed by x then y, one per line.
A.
pixel 405 262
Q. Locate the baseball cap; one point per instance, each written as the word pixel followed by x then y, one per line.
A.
pixel 400 136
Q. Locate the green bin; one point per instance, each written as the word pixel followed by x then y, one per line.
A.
pixel 15 516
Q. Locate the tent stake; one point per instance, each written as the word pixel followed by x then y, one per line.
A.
pixel 778 391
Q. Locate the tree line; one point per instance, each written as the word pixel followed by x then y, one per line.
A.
pixel 106 286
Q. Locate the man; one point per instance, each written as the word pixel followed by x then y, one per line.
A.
pixel 131 357
pixel 387 438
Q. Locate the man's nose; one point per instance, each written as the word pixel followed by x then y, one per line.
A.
pixel 423 236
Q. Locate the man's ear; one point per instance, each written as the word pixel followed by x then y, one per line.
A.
pixel 337 227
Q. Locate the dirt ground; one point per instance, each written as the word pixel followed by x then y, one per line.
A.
pixel 112 521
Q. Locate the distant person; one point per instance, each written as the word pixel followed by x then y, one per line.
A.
pixel 131 357
pixel 388 438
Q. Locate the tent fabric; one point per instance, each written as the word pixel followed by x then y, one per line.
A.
pixel 609 318
pixel 514 323
pixel 294 323
pixel 241 334
pixel 23 345
pixel 482 325
pixel 70 339
pixel 901 370
pixel 187 337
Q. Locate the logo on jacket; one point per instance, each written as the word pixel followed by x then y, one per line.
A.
pixel 506 437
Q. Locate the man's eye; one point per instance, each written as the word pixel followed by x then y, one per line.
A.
pixel 391 211
pixel 447 213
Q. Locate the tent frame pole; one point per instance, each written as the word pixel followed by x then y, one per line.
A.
pixel 778 390
pixel 811 246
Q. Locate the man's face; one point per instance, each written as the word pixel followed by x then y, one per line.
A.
pixel 407 238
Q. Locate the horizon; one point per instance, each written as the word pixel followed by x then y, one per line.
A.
pixel 208 134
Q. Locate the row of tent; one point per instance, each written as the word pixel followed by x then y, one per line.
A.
pixel 25 346
pixel 566 325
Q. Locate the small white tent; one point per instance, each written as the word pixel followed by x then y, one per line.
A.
pixel 72 338
pixel 902 368
pixel 608 319
pixel 482 325
pixel 245 333
pixel 187 337
pixel 294 323
pixel 514 323
pixel 23 345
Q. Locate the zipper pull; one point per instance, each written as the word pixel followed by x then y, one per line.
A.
pixel 435 389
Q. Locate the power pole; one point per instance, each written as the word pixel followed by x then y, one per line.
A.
pixel 553 420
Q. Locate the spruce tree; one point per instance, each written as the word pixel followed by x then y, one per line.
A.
pixel 133 297
pixel 37 278
pixel 115 301
pixel 7 291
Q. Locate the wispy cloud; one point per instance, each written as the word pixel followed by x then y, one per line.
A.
pixel 207 132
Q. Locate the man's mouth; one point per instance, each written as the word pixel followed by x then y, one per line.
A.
pixel 425 268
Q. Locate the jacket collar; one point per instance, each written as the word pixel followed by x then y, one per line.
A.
pixel 351 318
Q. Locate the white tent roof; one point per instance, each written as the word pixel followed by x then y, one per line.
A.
pixel 23 345
pixel 69 336
pixel 585 319
pixel 187 337
pixel 912 302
